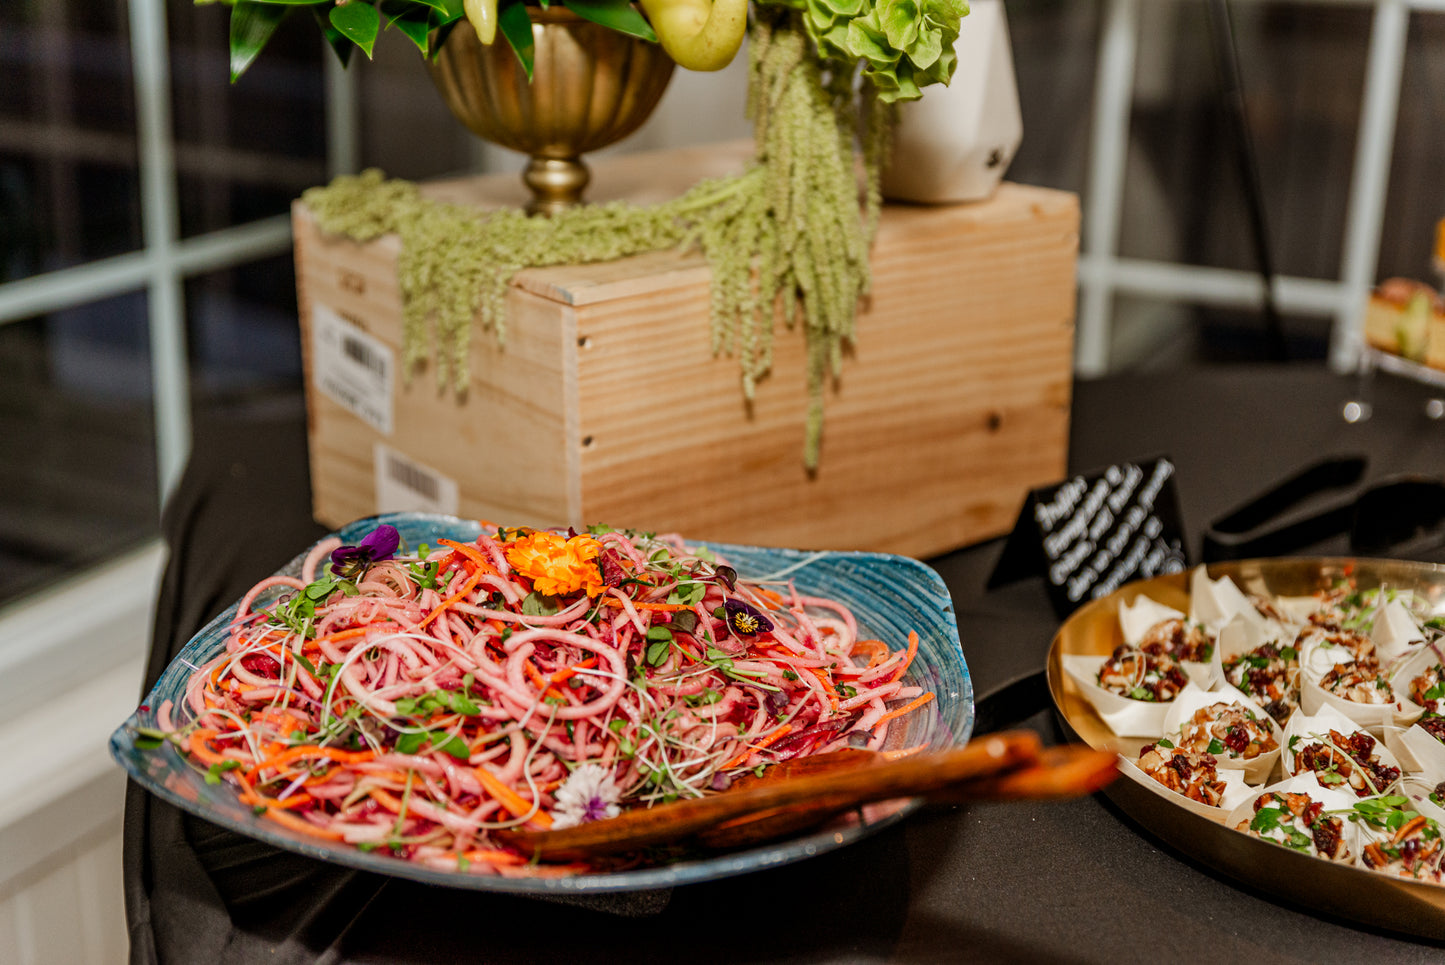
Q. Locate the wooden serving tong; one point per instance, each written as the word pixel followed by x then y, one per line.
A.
pixel 807 791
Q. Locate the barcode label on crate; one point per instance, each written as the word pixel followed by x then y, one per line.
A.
pixel 404 485
pixel 352 367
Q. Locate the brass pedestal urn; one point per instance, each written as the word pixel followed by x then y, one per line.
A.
pixel 591 87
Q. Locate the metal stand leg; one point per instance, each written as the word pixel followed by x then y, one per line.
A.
pixel 1359 408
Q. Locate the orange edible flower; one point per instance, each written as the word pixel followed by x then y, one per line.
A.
pixel 557 565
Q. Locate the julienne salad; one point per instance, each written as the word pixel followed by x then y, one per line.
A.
pixel 416 701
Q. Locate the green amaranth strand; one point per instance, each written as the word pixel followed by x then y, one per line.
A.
pixel 787 236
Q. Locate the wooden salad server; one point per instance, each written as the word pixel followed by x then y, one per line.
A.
pixel 807 791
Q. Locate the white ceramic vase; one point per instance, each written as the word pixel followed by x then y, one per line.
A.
pixel 957 141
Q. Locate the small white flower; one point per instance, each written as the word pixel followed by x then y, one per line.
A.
pixel 589 794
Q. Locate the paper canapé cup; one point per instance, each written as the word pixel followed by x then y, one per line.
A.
pixel 1236 790
pixel 1419 752
pixel 1310 728
pixel 1124 716
pixel 1303 784
pixel 1257 769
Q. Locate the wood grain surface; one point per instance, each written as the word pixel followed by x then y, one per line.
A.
pixel 606 404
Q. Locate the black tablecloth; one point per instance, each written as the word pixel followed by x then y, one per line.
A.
pixel 1060 882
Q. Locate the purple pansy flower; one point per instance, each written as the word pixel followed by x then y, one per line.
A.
pixel 380 544
pixel 744 618
pixel 727 576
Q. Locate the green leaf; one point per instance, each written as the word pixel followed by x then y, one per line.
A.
pixel 516 26
pixel 1166 742
pixel 339 45
pixel 1216 746
pixel 540 605
pixel 684 621
pixel 617 15
pixel 412 18
pixel 460 703
pixel 359 23
pixel 453 746
pixel 411 743
pixel 1266 819
pixel 214 772
pixel 688 594
pixel 659 632
pixel 657 652
pixel 252 25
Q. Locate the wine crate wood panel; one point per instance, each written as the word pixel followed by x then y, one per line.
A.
pixel 606 404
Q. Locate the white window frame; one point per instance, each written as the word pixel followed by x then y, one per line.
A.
pixel 1103 274
pixel 80 647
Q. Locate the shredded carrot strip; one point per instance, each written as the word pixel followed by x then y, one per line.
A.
pixel 289 820
pixel 482 568
pixel 509 799
pixel 200 749
pixel 567 673
pixel 539 681
pixel 336 637
pixel 616 604
pixel 900 711
pixel 908 658
pixel 386 774
pixel 1410 827
pixel 772 597
pixel 290 754
pixel 534 675
pixel 766 741
pixel 875 649
pixel 294 801
pixel 470 552
pixel 385 800
pixel 827 683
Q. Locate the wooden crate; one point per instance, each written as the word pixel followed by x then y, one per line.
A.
pixel 606 403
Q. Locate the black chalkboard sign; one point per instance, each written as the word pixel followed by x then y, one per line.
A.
pixel 1089 535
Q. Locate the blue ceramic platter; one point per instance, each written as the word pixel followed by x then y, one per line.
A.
pixel 889 595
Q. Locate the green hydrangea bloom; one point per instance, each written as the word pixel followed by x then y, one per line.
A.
pixel 902 45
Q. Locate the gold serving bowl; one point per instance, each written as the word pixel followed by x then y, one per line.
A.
pixel 1315 884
